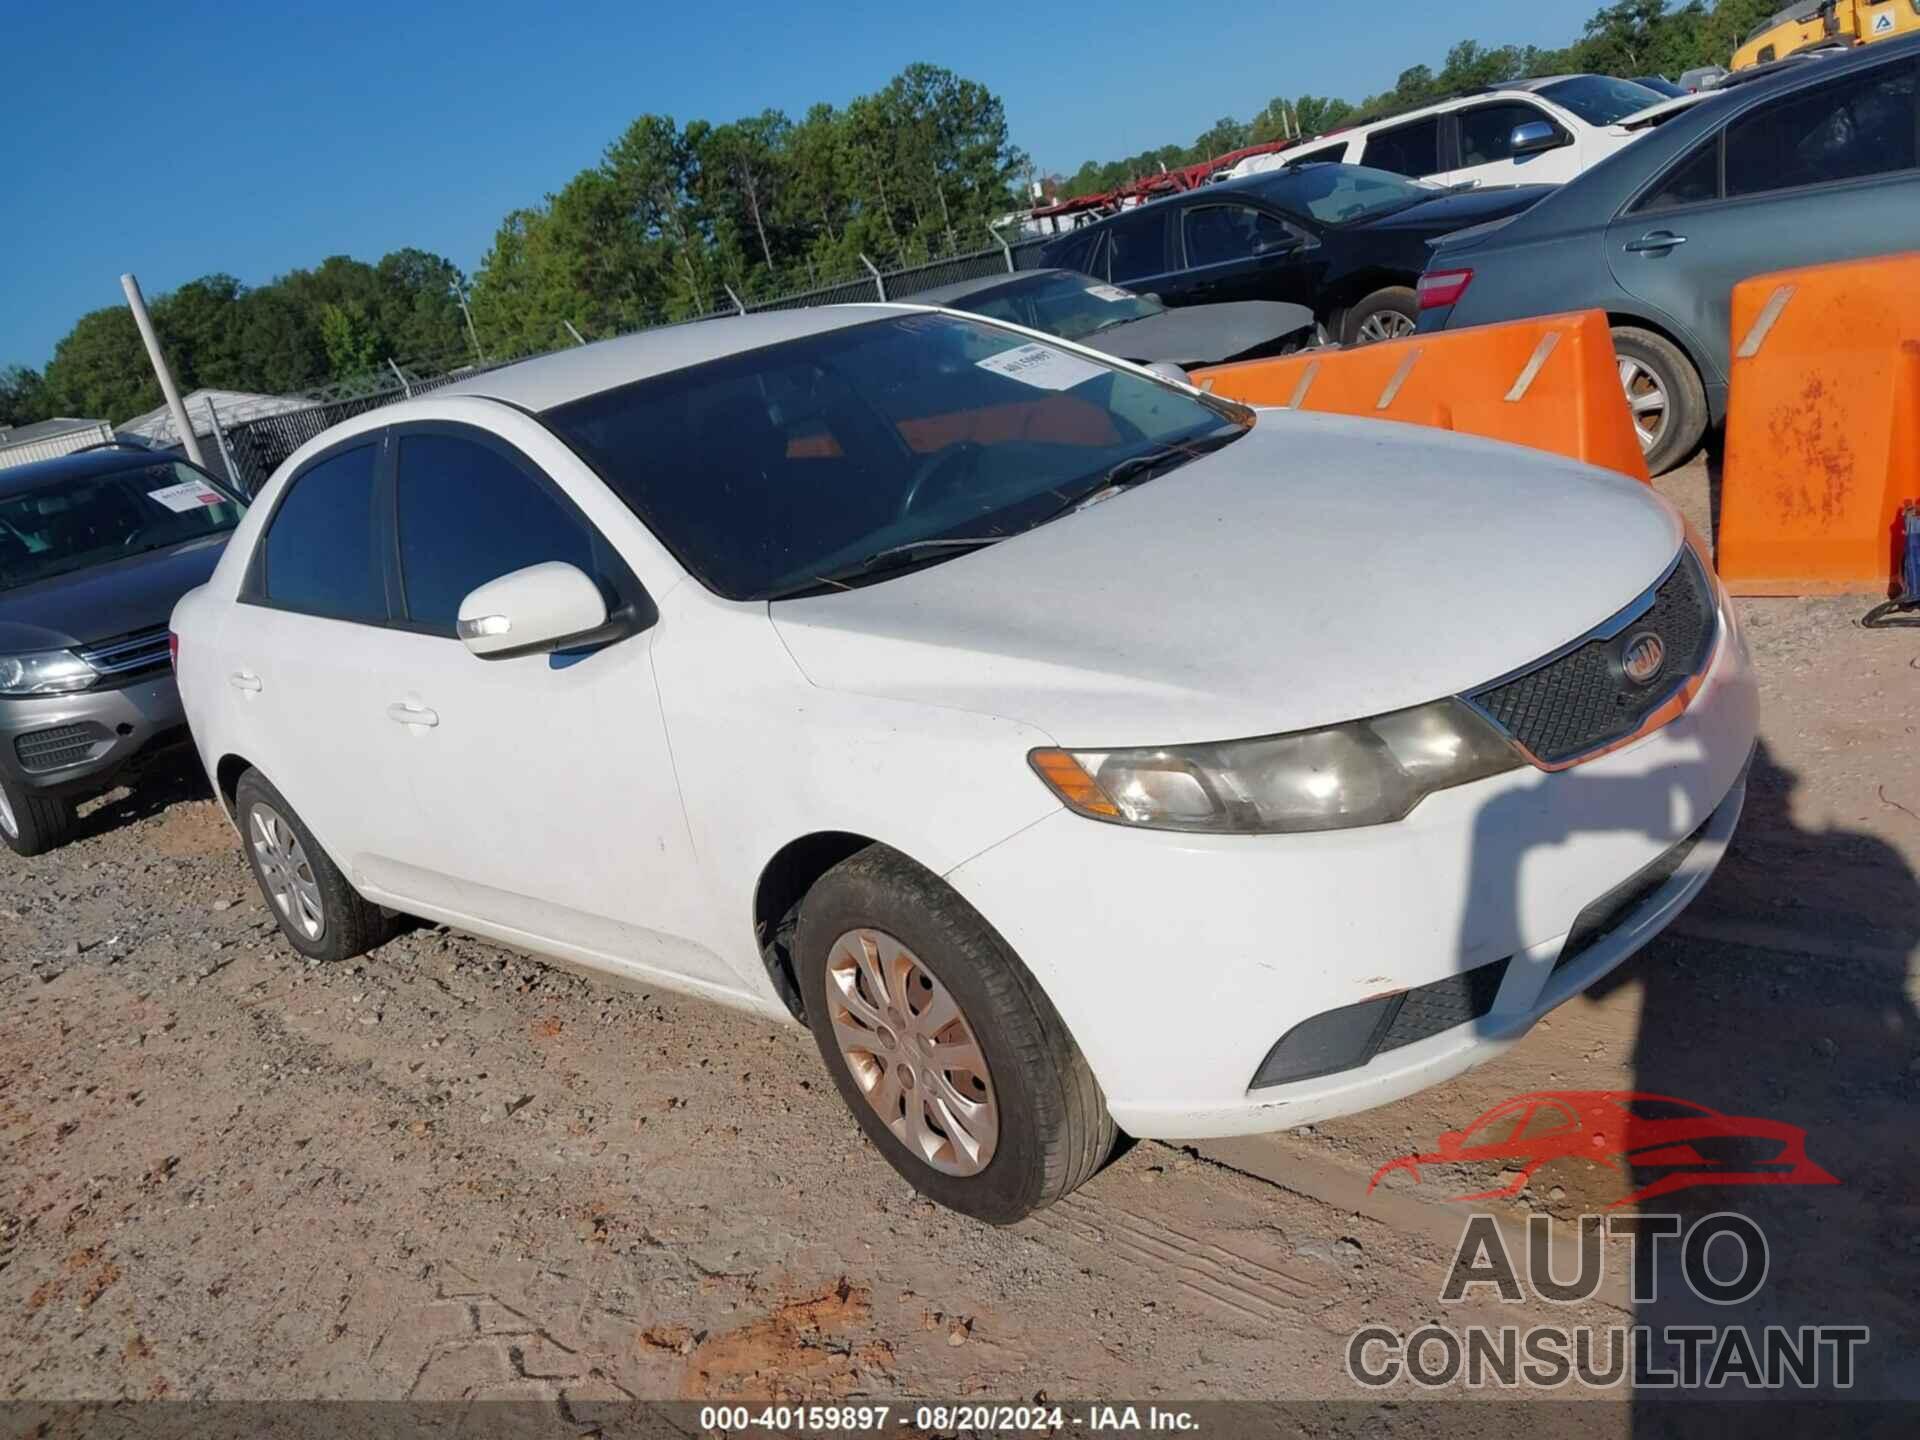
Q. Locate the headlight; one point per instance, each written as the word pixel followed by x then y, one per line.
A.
pixel 52 672
pixel 1369 772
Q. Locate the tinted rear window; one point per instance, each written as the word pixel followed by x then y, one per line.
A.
pixel 319 549
pixel 1406 149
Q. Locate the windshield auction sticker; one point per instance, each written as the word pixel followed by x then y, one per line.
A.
pixel 1112 294
pixel 184 498
pixel 1042 367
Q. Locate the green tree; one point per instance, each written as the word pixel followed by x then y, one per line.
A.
pixel 348 337
pixel 100 370
pixel 23 396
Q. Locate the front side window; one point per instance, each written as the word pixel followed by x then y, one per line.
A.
pixel 1218 233
pixel 95 519
pixel 804 467
pixel 1857 126
pixel 1137 247
pixel 469 515
pixel 319 552
pixel 1412 150
pixel 1486 133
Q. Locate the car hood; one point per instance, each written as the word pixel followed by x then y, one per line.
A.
pixel 1202 334
pixel 1445 213
pixel 1318 570
pixel 103 601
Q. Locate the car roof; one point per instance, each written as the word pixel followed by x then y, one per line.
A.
pixel 979 285
pixel 81 465
pixel 573 374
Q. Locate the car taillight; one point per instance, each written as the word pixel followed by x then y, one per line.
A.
pixel 1443 287
pixel 173 650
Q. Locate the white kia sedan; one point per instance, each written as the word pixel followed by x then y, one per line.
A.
pixel 1067 748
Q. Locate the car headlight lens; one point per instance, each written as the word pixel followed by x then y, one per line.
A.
pixel 51 672
pixel 1369 772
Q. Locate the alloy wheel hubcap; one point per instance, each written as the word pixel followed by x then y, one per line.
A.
pixel 9 826
pixel 1386 325
pixel 912 1052
pixel 286 872
pixel 1646 399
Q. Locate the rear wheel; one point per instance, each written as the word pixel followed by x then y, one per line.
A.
pixel 1664 394
pixel 1388 314
pixel 945 1048
pixel 321 915
pixel 32 823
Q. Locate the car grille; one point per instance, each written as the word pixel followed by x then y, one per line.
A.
pixel 129 655
pixel 1444 1004
pixel 1606 914
pixel 59 746
pixel 1581 701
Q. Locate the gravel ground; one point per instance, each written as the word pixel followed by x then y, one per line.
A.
pixel 450 1171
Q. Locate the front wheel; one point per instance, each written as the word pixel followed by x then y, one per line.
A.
pixel 32 823
pixel 1388 314
pixel 1664 394
pixel 952 1059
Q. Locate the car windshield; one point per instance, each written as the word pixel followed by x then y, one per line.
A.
pixel 88 520
pixel 1600 99
pixel 1342 194
pixel 781 470
pixel 1070 306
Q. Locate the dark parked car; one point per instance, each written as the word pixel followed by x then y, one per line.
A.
pixel 1345 241
pixel 1115 321
pixel 1814 163
pixel 95 550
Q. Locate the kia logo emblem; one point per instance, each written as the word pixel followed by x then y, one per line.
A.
pixel 1642 658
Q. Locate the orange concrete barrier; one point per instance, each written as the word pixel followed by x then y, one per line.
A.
pixel 1823 428
pixel 1552 383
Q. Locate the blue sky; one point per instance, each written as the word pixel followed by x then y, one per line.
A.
pixel 254 138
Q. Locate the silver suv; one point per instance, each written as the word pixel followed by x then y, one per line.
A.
pixel 95 548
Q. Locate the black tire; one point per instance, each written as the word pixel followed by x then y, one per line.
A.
pixel 1385 309
pixel 347 925
pixel 1685 420
pixel 32 823
pixel 1054 1130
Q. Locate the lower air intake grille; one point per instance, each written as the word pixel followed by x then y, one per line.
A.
pixel 1583 700
pixel 1606 914
pixel 1443 1005
pixel 60 746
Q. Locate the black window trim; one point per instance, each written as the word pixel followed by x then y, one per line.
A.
pixel 630 609
pixel 254 585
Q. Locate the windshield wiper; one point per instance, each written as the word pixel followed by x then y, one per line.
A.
pixel 894 557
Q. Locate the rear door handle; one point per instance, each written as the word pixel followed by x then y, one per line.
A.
pixel 1656 241
pixel 403 714
pixel 244 680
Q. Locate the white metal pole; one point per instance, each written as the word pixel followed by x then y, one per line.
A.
pixel 573 332
pixel 879 283
pixel 404 386
pixel 138 304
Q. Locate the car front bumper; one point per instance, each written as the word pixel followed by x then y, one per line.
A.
pixel 1178 961
pixel 72 744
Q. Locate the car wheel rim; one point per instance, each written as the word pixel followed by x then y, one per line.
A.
pixel 1384 325
pixel 912 1052
pixel 9 824
pixel 286 872
pixel 1646 401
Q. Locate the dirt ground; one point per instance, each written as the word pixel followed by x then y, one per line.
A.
pixel 449 1171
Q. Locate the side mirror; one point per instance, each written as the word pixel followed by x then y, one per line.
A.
pixel 533 611
pixel 1533 137
pixel 1167 370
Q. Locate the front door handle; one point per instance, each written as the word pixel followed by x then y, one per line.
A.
pixel 245 680
pixel 1655 242
pixel 403 714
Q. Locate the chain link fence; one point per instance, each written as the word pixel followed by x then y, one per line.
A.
pixel 245 454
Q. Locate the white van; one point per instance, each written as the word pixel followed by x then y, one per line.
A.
pixel 1529 132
